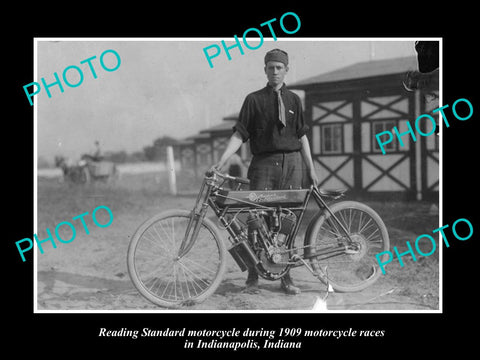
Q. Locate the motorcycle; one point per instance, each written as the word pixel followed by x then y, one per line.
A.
pixel 178 257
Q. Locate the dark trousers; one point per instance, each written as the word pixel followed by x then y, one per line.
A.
pixel 276 171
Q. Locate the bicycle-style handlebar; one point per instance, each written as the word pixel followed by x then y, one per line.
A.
pixel 238 179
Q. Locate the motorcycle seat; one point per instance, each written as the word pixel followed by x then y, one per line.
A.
pixel 336 193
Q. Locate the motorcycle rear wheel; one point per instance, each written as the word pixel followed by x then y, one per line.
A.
pixel 358 268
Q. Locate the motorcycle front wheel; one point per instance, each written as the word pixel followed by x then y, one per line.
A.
pixel 164 277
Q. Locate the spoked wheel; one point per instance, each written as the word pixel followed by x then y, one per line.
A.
pixel 348 263
pixel 164 277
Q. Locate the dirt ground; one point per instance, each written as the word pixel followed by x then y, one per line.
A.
pixel 90 273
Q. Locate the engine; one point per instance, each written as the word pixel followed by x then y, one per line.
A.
pixel 268 232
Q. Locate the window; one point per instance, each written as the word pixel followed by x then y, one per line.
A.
pixel 332 136
pixel 381 126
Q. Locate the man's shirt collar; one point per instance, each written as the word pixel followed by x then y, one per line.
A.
pixel 270 88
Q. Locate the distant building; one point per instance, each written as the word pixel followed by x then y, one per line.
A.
pixel 203 150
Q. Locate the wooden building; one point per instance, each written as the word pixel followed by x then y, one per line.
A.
pixel 188 155
pixel 347 107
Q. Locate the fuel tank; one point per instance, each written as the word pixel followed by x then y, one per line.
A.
pixel 284 198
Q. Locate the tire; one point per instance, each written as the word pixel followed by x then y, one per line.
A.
pixel 358 269
pixel 157 272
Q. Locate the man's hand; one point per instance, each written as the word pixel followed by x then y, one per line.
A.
pixel 313 176
pixel 218 167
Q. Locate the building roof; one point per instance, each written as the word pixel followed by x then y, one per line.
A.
pixel 199 136
pixel 365 69
pixel 231 117
pixel 185 142
pixel 225 125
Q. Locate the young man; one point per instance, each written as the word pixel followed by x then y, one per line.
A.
pixel 272 119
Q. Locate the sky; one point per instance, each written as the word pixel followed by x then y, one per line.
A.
pixel 165 87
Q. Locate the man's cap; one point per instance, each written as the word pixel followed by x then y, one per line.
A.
pixel 276 55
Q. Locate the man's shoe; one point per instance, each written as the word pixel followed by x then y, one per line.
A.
pixel 287 286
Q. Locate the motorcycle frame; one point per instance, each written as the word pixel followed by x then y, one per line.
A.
pixel 205 200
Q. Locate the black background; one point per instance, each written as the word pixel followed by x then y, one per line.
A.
pixel 405 334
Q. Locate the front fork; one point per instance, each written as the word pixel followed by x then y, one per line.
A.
pixel 195 222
